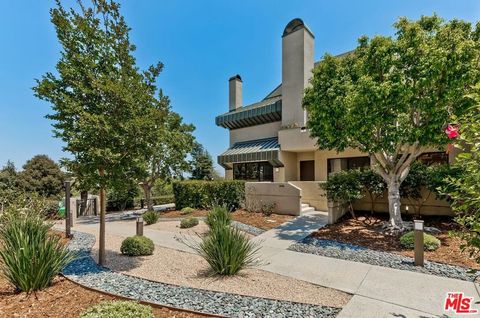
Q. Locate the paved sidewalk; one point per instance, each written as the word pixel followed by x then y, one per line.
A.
pixel 378 291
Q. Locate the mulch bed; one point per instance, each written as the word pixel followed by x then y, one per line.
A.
pixel 365 231
pixel 251 218
pixel 62 299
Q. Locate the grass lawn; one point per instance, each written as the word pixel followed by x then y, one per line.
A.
pixel 251 218
pixel 365 231
pixel 62 299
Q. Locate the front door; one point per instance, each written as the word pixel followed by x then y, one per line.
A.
pixel 307 170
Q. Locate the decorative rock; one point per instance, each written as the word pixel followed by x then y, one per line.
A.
pixel 351 252
pixel 86 272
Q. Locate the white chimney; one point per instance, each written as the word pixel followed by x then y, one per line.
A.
pixel 297 67
pixel 235 92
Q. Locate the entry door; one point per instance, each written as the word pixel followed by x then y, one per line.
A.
pixel 307 170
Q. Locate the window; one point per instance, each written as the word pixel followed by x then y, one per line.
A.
pixel 253 171
pixel 347 163
pixel 432 158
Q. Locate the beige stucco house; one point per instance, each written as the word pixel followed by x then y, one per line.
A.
pixel 270 144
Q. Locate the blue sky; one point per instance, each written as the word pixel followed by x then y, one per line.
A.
pixel 201 43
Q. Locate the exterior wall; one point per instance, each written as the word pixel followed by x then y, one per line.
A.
pixel 431 206
pixel 228 174
pixel 295 139
pixel 312 194
pixel 285 196
pixel 289 160
pixel 255 132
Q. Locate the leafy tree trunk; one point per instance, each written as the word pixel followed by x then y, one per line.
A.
pixel 101 243
pixel 83 202
pixel 394 168
pixel 394 203
pixel 147 190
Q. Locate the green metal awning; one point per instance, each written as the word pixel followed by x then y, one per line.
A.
pixel 252 151
pixel 266 111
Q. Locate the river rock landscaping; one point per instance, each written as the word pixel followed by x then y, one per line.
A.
pixel 362 240
pixel 361 254
pixel 85 271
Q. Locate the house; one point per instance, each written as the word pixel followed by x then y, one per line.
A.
pixel 270 144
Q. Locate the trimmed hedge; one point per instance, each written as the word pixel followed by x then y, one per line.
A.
pixel 137 246
pixel 199 194
pixel 118 309
pixel 430 242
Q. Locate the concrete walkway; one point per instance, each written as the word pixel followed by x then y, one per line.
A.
pixel 378 291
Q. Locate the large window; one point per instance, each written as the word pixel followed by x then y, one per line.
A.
pixel 347 163
pixel 432 158
pixel 253 171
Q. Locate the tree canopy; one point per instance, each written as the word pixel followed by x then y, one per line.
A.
pixel 42 176
pixel 392 96
pixel 202 164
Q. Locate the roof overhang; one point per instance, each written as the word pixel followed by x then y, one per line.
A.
pixel 266 149
pixel 268 111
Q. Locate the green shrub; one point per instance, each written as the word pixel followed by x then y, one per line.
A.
pixel 118 309
pixel 30 256
pixel 150 217
pixel 218 216
pixel 344 186
pixel 137 246
pixel 205 194
pixel 430 242
pixel 187 210
pixel 188 222
pixel 268 208
pixel 227 250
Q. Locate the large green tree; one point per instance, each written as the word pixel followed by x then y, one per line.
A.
pixel 464 189
pixel 202 164
pixel 169 141
pixel 42 176
pixel 392 96
pixel 98 95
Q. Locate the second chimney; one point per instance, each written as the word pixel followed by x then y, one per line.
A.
pixel 235 92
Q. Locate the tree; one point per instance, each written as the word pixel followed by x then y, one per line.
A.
pixel 99 96
pixel 169 142
pixel 8 177
pixel 464 188
pixel 202 164
pixel 344 186
pixel 42 176
pixel 391 96
pixel 374 185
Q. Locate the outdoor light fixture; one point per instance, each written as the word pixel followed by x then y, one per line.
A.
pixel 418 242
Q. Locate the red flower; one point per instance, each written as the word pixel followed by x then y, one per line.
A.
pixel 451 131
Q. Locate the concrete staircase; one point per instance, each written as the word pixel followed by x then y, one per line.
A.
pixel 306 208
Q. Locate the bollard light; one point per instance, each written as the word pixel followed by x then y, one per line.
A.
pixel 140 226
pixel 418 242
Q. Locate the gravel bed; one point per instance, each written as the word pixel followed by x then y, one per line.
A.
pixel 239 225
pixel 247 228
pixel 351 252
pixel 86 272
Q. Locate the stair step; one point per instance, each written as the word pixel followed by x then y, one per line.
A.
pixel 305 205
pixel 309 209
